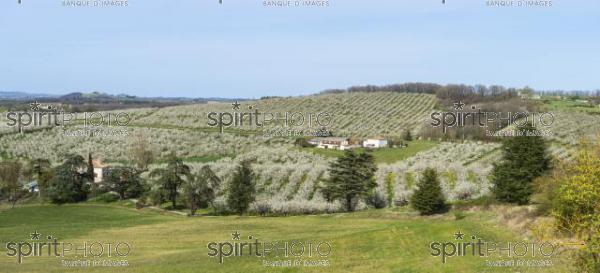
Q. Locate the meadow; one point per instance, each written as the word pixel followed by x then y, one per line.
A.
pixel 568 104
pixel 391 240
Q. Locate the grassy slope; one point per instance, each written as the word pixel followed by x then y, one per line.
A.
pixel 370 241
pixel 569 105
pixel 384 155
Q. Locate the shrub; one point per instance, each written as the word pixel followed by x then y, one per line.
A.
pixel 156 197
pixel 261 207
pixel 410 180
pixel 546 188
pixel 577 208
pixel 220 206
pixel 389 186
pixel 464 190
pixel 484 202
pixel 378 200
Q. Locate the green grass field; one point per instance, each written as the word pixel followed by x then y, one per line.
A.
pixel 368 241
pixel 571 105
pixel 384 155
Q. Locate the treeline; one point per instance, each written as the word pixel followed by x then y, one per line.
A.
pixel 574 93
pixel 467 93
pixel 79 107
pixel 450 92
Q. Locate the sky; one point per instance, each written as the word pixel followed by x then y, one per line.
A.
pixel 242 48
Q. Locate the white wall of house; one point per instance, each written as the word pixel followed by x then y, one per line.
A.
pixel 98 175
pixel 342 146
pixel 333 143
pixel 375 143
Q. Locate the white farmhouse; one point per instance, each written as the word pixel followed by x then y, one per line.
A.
pixel 375 143
pixel 336 143
pixel 99 170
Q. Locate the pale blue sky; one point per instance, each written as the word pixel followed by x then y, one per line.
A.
pixel 199 48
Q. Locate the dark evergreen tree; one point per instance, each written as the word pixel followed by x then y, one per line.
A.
pixel 10 177
pixel 428 198
pixel 40 169
pixel 242 189
pixel 70 182
pixel 90 168
pixel 302 142
pixel 407 135
pixel 171 177
pixel 200 188
pixel 351 178
pixel 125 181
pixel 525 157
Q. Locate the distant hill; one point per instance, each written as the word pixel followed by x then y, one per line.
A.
pixel 96 101
pixel 96 96
pixel 16 95
pixel 358 114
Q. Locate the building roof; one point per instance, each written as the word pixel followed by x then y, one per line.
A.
pixel 334 138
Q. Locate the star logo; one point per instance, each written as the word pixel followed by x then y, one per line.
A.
pixel 459 105
pixel 35 235
pixel 459 235
pixel 35 106
pixel 235 235
pixel 236 105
